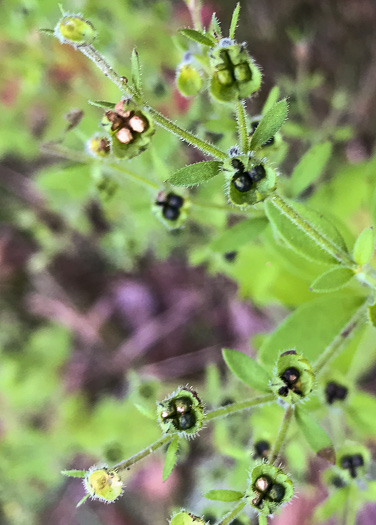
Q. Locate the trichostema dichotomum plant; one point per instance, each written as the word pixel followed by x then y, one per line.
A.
pixel 296 369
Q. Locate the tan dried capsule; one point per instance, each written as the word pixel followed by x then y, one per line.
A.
pixel 119 108
pixel 124 136
pixel 137 124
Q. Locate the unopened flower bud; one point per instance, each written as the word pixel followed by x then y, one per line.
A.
pixel 103 484
pixel 353 461
pixel 189 81
pixel 75 30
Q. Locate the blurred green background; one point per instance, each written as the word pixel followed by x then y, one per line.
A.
pixel 100 306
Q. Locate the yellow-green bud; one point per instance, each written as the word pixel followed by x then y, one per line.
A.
pixel 99 146
pixel 73 29
pixel 103 484
pixel 189 81
pixel 294 379
pixel 186 518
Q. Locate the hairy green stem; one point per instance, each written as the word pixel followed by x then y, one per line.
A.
pixel 281 434
pixel 241 118
pixel 237 407
pixel 302 223
pixel 335 347
pixel 124 465
pixel 160 119
pixel 228 518
pixel 263 520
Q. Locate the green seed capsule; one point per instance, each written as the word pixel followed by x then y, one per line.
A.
pixel 235 75
pixel 171 209
pixel 103 484
pixel 186 518
pixel 189 81
pixel 181 413
pixel 73 29
pixel 249 180
pixel 294 379
pixel 352 460
pixel 269 488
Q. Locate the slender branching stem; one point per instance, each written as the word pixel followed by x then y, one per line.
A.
pixel 241 118
pixel 281 434
pixel 237 407
pixel 160 119
pixel 302 223
pixel 228 518
pixel 263 520
pixel 336 346
pixel 124 465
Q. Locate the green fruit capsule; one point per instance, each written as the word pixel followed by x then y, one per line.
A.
pixel 186 518
pixel 182 412
pixel 269 489
pixel 130 129
pixel 249 180
pixel 103 484
pixel 171 209
pixel 188 81
pixel 353 460
pixel 235 74
pixel 73 29
pixel 294 379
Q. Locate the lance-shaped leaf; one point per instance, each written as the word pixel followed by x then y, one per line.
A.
pixel 223 495
pixel 240 234
pixel 247 369
pixel 74 473
pixel 146 410
pixel 332 280
pixel 102 104
pixel 195 174
pixel 171 458
pixel 199 37
pixel 271 100
pixel 301 240
pixel 310 167
pixel 136 70
pixel 215 28
pixel 315 435
pixel 234 21
pixel 364 245
pixel 270 123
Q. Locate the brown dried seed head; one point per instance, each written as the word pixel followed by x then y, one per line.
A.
pixel 137 124
pixel 119 108
pixel 124 135
pixel 104 145
pixel 262 484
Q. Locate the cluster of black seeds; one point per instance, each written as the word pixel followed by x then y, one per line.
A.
pixel 180 413
pixel 261 449
pixel 291 379
pixel 244 180
pixel 266 489
pixel 335 392
pixel 171 205
pixel 351 463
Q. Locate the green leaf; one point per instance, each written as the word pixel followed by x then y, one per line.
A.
pixel 74 473
pixel 234 21
pixel 269 124
pixel 102 104
pixel 310 167
pixel 360 410
pixel 136 70
pixel 310 328
pixel 195 173
pixel 171 458
pixel 50 32
pixel 247 369
pixel 223 495
pixel 271 100
pixel 145 411
pixel 364 246
pixel 333 503
pixel 184 518
pixel 316 437
pixel 199 37
pixel 372 314
pixel 299 240
pixel 215 27
pixel 332 280
pixel 82 501
pixel 238 235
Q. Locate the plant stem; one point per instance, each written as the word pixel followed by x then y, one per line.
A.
pixel 124 465
pixel 241 119
pixel 311 232
pixel 185 135
pixel 237 407
pixel 281 434
pixel 134 176
pixel 228 518
pixel 263 520
pixel 160 119
pixel 332 350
